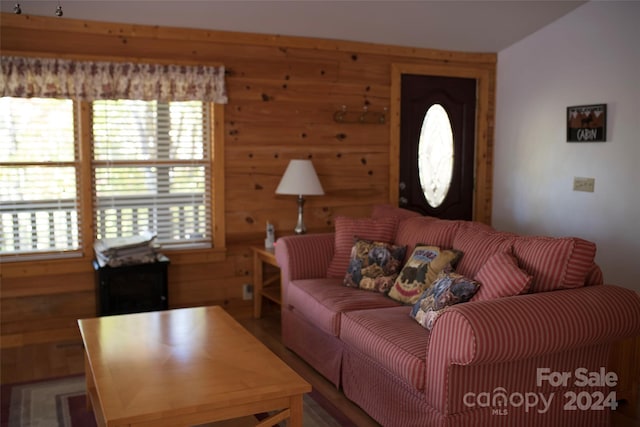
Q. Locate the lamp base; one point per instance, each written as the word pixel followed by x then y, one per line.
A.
pixel 300 228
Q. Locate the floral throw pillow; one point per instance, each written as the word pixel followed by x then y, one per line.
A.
pixel 448 289
pixel 374 266
pixel 420 271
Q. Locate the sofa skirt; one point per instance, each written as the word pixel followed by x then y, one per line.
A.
pixel 381 394
pixel 394 403
pixel 319 349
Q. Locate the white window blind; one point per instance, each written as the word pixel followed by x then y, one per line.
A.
pixel 38 177
pixel 151 170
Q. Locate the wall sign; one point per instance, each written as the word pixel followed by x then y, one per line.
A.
pixel 587 123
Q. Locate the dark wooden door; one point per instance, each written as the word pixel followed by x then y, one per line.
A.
pixel 457 96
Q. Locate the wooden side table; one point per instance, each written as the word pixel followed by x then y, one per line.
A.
pixel 116 295
pixel 267 287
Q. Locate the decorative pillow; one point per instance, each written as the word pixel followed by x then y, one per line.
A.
pixel 420 271
pixel 594 276
pixel 479 242
pixel 374 265
pixel 350 229
pixel 448 289
pixel 501 277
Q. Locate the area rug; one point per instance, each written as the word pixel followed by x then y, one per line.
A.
pixel 62 403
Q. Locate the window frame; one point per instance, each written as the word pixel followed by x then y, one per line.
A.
pixel 83 124
pixel 74 163
pixel 153 187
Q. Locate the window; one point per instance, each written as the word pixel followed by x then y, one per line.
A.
pixel 151 169
pixel 38 177
pixel 435 155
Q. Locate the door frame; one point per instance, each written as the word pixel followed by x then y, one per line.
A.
pixel 485 113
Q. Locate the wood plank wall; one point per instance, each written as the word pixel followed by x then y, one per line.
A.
pixel 283 93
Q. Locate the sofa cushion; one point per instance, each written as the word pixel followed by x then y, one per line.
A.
pixel 426 230
pixel 374 266
pixel 420 271
pixel 348 230
pixel 321 301
pixel 500 277
pixel 447 290
pixel 478 242
pixel 555 263
pixel 381 211
pixel 391 338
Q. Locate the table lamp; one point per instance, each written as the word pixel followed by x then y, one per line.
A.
pixel 300 179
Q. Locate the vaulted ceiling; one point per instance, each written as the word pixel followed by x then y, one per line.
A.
pixel 461 25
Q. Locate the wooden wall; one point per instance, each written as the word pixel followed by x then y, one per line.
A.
pixel 283 93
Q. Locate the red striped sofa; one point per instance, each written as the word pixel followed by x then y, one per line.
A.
pixel 493 361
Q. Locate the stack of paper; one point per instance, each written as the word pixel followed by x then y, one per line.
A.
pixel 118 251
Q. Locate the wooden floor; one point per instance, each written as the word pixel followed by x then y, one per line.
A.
pixel 267 330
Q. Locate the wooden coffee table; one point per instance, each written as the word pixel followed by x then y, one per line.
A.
pixel 182 368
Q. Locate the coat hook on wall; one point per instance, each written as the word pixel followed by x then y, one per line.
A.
pixel 364 117
pixel 338 116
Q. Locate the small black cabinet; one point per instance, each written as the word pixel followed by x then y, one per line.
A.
pixel 132 288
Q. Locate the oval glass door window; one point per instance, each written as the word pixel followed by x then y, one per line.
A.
pixel 435 155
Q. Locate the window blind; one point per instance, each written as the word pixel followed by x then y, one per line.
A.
pixel 38 177
pixel 151 170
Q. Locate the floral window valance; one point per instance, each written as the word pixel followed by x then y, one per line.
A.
pixel 91 80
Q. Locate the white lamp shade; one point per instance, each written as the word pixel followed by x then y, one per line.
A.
pixel 300 179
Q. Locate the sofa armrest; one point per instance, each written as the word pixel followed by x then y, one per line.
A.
pixel 528 326
pixel 304 256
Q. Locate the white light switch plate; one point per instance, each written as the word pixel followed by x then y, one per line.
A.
pixel 583 184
